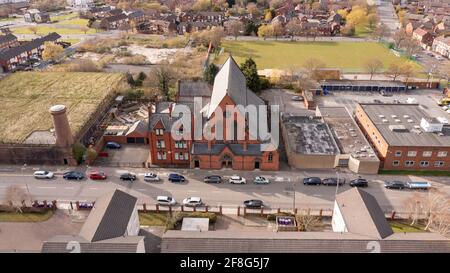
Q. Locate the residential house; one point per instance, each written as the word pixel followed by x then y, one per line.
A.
pixel 111 227
pixel 8 41
pixel 156 27
pixel 114 22
pixel 137 17
pixel 424 37
pixel 209 16
pixel 81 4
pixel 441 45
pixel 14 56
pixel 97 12
pixel 35 16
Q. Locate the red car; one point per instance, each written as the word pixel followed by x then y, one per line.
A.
pixel 97 176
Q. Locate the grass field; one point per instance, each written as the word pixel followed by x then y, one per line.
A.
pixel 44 30
pixel 33 93
pixel 68 16
pixel 399 226
pixel 153 218
pixel 349 56
pixel 25 217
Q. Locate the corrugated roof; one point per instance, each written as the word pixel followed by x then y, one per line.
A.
pixel 362 214
pixel 109 217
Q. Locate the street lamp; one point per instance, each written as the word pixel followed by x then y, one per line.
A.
pixel 337 184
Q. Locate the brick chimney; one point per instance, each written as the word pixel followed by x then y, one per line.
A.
pixel 209 145
pixel 64 137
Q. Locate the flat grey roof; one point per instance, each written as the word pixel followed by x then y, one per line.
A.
pixel 347 134
pixel 195 224
pixel 308 135
pixel 408 115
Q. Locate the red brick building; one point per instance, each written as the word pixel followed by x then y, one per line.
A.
pixel 405 137
pixel 240 154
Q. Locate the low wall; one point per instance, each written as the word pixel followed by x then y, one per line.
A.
pixel 35 154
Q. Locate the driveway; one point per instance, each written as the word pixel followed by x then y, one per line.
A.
pixel 28 237
pixel 129 155
pixel 387 15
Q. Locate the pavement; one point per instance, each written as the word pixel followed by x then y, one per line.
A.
pixel 387 15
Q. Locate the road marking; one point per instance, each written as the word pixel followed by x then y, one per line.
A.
pixel 141 189
pixel 191 191
pixel 93 188
pixel 46 187
pixel 16 175
pixel 317 195
pixel 69 188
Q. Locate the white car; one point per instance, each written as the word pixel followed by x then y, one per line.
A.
pixel 166 200
pixel 261 180
pixel 43 175
pixel 237 180
pixel 192 202
pixel 151 177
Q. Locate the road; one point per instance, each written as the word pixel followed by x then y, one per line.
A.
pixel 387 15
pixel 276 194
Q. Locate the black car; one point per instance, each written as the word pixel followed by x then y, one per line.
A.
pixel 312 181
pixel 359 182
pixel 73 175
pixel 332 181
pixel 212 179
pixel 128 177
pixel 253 204
pixel 394 185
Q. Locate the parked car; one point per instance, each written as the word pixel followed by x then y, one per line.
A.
pixel 193 202
pixel 237 180
pixel 43 175
pixel 386 94
pixel 418 185
pixel 312 181
pixel 174 177
pixel 128 177
pixel 212 179
pixel 73 175
pixel 261 180
pixel 297 98
pixel 151 177
pixel 359 182
pixel 394 185
pixel 332 181
pixel 97 175
pixel 253 204
pixel 166 200
pixel 113 145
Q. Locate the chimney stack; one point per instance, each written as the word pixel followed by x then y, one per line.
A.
pixel 64 137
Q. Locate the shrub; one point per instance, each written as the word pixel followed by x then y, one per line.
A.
pixel 265 83
pixel 78 150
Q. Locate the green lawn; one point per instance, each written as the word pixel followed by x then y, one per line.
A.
pixel 153 218
pixel 363 31
pixel 74 22
pixel 44 30
pixel 349 56
pixel 25 217
pixel 419 173
pixel 64 17
pixel 402 226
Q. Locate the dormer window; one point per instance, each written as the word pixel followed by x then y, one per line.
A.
pixel 159 132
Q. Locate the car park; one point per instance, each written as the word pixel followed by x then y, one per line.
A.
pixel 97 175
pixel 312 181
pixel 254 204
pixel 128 177
pixel 151 177
pixel 174 177
pixel 113 145
pixel 193 202
pixel 332 181
pixel 394 185
pixel 212 179
pixel 386 94
pixel 235 179
pixel 261 180
pixel 43 175
pixel 166 200
pixel 73 175
pixel 359 182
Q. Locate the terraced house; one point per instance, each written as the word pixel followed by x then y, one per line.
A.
pixel 222 151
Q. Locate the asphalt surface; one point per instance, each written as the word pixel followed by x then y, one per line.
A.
pixel 277 194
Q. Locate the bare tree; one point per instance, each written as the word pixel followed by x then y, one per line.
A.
pixel 311 65
pixel 381 31
pixel 15 198
pixel 33 29
pixel 294 28
pixel 235 27
pixel 407 70
pixel 278 29
pixel 307 222
pixel 399 37
pixel 394 70
pixel 411 46
pixel 414 207
pixel 373 66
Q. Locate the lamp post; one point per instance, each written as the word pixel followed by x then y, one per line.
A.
pixel 337 184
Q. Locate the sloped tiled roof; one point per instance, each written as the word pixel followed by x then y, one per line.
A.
pixel 362 214
pixel 7 38
pixel 110 216
pixel 15 51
